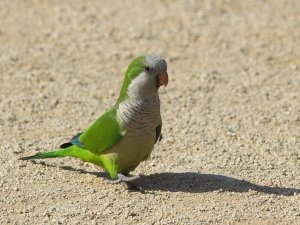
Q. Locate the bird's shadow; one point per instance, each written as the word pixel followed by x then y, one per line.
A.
pixel 193 182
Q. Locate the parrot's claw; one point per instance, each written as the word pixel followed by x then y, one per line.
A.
pixel 124 178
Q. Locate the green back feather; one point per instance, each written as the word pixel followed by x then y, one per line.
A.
pixel 134 69
pixel 103 133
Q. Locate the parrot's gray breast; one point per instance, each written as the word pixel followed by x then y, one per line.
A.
pixel 140 116
pixel 139 119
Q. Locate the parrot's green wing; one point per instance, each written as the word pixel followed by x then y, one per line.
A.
pixel 102 134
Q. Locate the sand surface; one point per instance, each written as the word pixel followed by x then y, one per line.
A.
pixel 231 111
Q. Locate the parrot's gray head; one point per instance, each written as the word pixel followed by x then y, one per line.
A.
pixel 152 74
pixel 155 63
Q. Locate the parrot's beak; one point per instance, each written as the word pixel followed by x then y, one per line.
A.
pixel 162 79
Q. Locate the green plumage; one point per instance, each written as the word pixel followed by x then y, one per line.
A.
pixel 53 154
pixel 103 133
pixel 105 142
pixel 134 69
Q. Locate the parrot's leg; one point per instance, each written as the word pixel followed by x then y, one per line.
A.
pixel 124 178
pixel 110 164
pixel 124 175
pixel 129 169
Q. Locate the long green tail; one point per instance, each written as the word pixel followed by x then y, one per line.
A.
pixel 72 151
pixel 52 154
pixel 85 155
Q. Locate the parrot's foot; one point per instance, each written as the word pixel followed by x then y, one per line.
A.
pixel 124 178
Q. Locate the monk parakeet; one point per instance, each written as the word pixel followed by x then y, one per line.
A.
pixel 125 134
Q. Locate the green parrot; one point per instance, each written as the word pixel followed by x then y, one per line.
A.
pixel 125 134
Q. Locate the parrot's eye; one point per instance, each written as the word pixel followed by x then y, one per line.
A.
pixel 147 68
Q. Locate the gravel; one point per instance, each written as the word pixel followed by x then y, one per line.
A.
pixel 231 111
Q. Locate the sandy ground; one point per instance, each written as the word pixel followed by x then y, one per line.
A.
pixel 231 112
